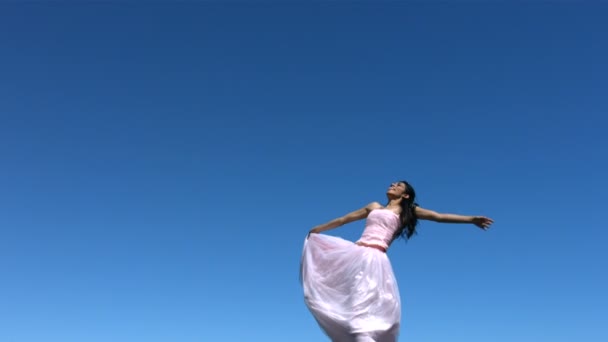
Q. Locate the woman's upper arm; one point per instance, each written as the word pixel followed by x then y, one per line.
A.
pixel 360 213
pixel 426 214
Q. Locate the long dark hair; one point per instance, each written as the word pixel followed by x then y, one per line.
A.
pixel 408 217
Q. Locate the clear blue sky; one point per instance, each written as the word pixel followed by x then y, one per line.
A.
pixel 162 164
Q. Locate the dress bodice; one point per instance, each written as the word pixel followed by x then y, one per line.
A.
pixel 380 227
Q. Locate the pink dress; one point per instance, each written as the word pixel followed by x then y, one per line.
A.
pixel 350 289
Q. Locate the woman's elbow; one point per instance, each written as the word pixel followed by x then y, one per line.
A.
pixel 438 217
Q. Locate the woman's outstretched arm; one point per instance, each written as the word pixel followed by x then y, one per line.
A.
pixel 480 221
pixel 350 217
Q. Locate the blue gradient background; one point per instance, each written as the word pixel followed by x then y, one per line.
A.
pixel 162 164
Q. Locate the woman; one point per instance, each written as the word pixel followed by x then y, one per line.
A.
pixel 350 287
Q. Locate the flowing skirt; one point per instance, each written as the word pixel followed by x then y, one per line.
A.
pixel 350 290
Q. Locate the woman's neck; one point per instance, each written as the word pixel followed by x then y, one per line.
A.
pixel 394 203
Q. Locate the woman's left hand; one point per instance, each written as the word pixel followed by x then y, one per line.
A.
pixel 482 222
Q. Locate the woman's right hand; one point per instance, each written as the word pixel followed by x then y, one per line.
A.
pixel 313 231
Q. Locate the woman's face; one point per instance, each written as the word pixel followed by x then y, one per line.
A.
pixel 397 190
